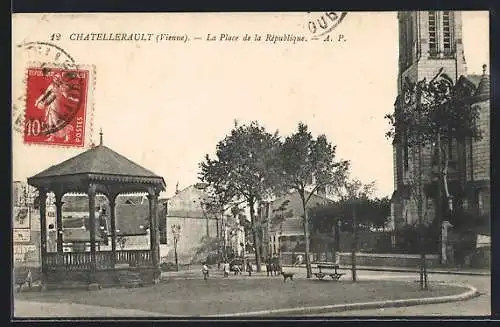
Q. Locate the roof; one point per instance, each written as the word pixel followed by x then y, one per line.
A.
pixel 483 89
pixel 188 203
pixel 292 210
pixel 130 218
pixel 474 78
pixel 131 213
pixel 290 225
pixel 482 83
pixel 80 203
pixel 99 160
pixel 78 235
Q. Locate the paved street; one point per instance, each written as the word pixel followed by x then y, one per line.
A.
pixel 475 307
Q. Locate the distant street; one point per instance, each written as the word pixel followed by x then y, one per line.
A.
pixel 475 307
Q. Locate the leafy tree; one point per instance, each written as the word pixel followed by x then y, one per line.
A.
pixel 370 212
pixel 219 199
pixel 436 112
pixel 206 248
pixel 279 215
pixel 246 163
pixel 354 191
pixel 381 211
pixel 309 162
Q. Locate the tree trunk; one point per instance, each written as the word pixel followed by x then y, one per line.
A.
pixel 444 175
pixel 218 241
pixel 256 242
pixel 439 198
pixel 306 235
pixel 354 242
pixel 176 257
pixel 420 201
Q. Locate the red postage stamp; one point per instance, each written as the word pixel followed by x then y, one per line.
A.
pixel 57 100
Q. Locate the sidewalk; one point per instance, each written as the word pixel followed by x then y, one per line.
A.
pixel 31 309
pixel 195 273
pixel 447 271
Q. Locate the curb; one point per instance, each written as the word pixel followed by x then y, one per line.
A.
pixel 437 272
pixel 407 270
pixel 471 293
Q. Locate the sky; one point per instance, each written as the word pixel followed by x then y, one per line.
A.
pixel 165 105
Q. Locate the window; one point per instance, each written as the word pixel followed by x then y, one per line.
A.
pixel 162 228
pixel 451 152
pixel 433 46
pixel 483 202
pixel 406 41
pixel 403 42
pixel 405 154
pixel 409 41
pixel 447 33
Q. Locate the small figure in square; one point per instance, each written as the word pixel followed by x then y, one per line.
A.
pixel 225 267
pixel 269 266
pixel 249 267
pixel 299 261
pixel 276 264
pixel 205 270
pixel 237 269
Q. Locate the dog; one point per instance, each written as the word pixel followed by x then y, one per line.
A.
pixel 287 275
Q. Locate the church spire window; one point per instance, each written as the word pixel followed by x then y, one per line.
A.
pixel 447 33
pixel 433 42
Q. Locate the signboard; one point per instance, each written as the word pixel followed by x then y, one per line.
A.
pixel 21 235
pixel 22 250
pixel 483 241
pixel 21 217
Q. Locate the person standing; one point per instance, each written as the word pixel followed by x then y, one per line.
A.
pixel 226 269
pixel 204 270
pixel 249 268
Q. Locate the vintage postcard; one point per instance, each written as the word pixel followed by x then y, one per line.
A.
pixel 286 164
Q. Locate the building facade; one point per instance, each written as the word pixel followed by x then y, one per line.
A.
pixel 187 209
pixel 430 42
pixel 284 229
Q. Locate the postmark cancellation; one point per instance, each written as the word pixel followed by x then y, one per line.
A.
pixel 58 108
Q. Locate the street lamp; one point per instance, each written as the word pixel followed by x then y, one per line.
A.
pixel 176 231
pixel 354 241
pixel 336 230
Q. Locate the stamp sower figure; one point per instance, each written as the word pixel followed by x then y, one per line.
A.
pixel 49 100
pixel 205 270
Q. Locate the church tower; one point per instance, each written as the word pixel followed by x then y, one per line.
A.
pixel 428 41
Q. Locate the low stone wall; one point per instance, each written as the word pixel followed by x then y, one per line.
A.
pixel 104 278
pixel 481 258
pixel 289 258
pixel 388 260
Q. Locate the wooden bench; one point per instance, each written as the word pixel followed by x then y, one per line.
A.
pixel 335 275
